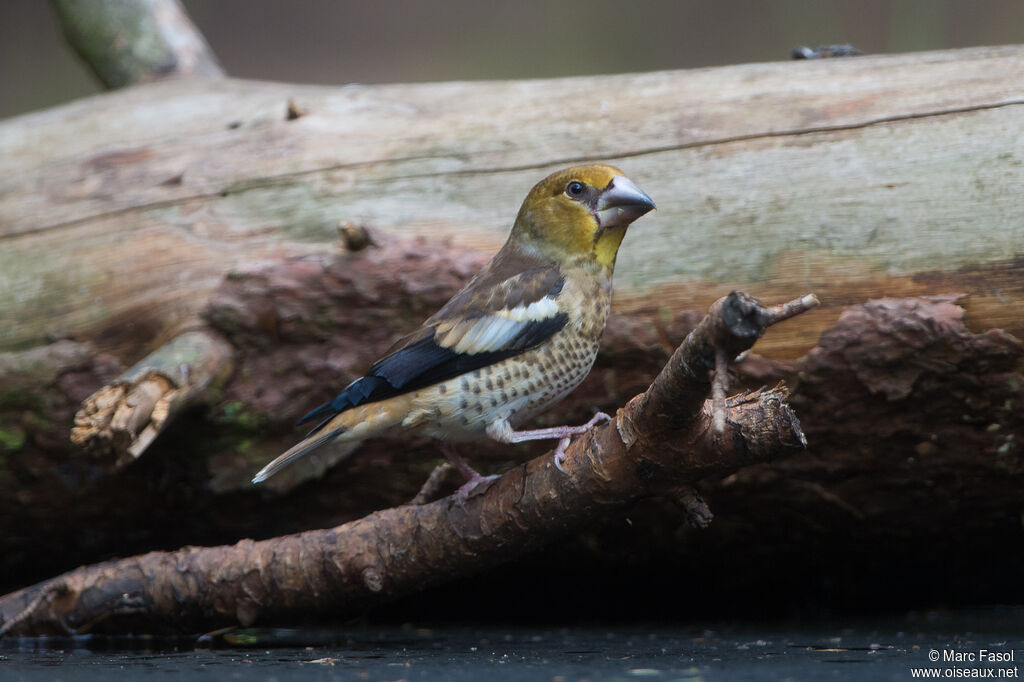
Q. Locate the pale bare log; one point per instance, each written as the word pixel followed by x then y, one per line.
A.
pixel 896 175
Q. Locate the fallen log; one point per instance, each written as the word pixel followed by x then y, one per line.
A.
pixel 893 175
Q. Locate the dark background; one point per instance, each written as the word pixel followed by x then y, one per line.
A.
pixel 335 42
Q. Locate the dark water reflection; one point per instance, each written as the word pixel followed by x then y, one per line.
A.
pixel 887 649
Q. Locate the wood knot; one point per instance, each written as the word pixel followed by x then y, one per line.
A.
pixel 354 237
pixel 293 111
pixel 625 426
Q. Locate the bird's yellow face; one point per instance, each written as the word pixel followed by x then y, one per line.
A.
pixel 580 214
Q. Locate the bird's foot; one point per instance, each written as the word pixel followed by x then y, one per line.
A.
pixel 430 489
pixel 469 486
pixel 598 418
pixel 560 453
pixel 571 431
pixel 472 476
pixel 502 432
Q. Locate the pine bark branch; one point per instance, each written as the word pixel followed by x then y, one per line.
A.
pixel 659 444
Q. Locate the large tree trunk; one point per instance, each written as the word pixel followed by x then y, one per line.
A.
pixel 876 175
pixel 869 178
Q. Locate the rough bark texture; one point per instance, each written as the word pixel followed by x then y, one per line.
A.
pixel 911 487
pixel 344 570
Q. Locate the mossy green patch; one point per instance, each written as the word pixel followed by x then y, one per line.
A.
pixel 234 414
pixel 45 295
pixel 12 438
pixel 12 400
pixel 287 203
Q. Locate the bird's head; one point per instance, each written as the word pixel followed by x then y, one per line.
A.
pixel 580 214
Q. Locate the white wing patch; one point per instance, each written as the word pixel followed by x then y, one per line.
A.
pixel 536 311
pixel 495 331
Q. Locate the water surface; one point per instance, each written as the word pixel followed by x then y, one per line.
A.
pixel 885 649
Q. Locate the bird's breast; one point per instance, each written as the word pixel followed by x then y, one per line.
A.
pixel 522 386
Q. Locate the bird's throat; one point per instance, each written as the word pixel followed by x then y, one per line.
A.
pixel 607 246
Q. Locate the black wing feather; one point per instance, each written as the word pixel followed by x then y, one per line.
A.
pixel 354 394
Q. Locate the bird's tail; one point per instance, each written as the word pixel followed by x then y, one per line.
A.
pixel 283 460
pixel 354 424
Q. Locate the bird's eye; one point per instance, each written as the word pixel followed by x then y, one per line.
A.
pixel 575 188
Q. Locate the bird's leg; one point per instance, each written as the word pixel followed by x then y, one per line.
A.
pixel 428 491
pixel 472 476
pixel 502 431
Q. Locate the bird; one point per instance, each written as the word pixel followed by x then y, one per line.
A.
pixel 517 338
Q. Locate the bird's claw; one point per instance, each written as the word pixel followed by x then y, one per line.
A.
pixel 560 453
pixel 469 486
pixel 563 444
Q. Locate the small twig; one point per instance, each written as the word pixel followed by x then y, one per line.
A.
pixel 748 395
pixel 720 378
pixel 433 484
pixel 795 307
pixel 121 419
pixel 733 324
pixel 831 497
pixel 698 514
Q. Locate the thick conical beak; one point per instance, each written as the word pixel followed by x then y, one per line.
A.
pixel 621 203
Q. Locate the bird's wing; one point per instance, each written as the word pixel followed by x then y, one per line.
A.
pixel 496 316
